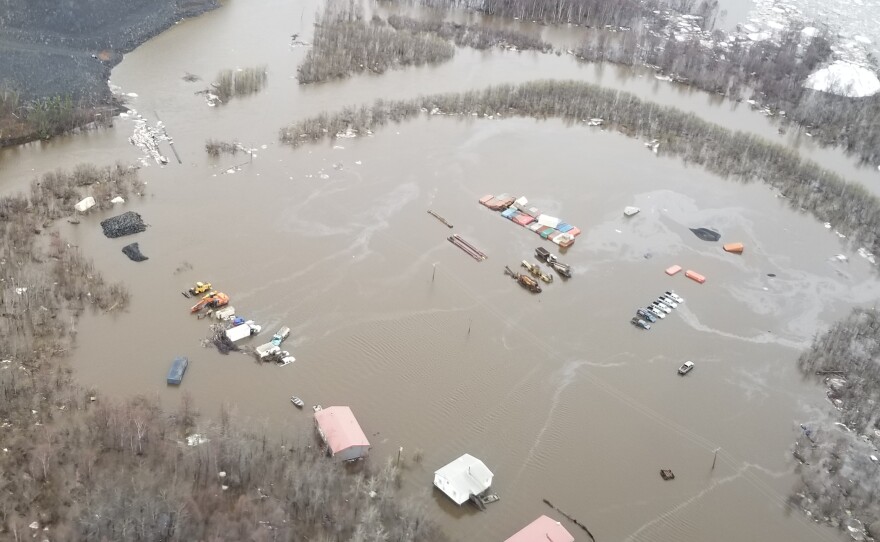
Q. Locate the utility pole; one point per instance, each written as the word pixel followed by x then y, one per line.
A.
pixel 715 458
pixel 434 272
pixel 399 451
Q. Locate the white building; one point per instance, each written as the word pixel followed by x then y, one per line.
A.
pixel 462 478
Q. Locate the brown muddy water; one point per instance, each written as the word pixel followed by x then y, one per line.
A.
pixel 558 394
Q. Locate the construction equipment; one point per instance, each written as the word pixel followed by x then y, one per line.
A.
pixel 200 288
pixel 543 254
pixel 536 271
pixel 212 301
pixel 525 281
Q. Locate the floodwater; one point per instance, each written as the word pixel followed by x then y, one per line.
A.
pixel 561 397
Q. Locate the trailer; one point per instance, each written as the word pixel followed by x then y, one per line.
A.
pixel 265 352
pixel 178 368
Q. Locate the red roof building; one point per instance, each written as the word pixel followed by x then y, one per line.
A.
pixel 340 431
pixel 543 529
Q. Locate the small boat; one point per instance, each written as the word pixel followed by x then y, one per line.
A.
pixel 297 402
pixel 685 368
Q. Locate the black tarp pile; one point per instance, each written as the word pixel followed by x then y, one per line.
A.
pixel 133 252
pixel 706 234
pixel 124 224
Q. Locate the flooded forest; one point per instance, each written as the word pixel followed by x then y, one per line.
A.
pixel 439 270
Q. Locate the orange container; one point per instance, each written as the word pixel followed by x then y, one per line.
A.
pixel 735 248
pixel 673 270
pixel 693 275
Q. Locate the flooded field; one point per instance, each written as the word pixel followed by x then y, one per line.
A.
pixel 557 393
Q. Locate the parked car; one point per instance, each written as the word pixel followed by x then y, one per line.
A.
pixel 685 368
pixel 638 322
pixel 646 315
pixel 655 311
pixel 661 306
pixel 667 301
pixel 678 299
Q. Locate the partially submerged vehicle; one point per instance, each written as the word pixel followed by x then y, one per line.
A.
pixel 200 288
pixel 544 255
pixel 646 315
pixel 536 271
pixel 212 300
pixel 655 311
pixel 638 322
pixel 667 301
pixel 678 299
pixel 266 352
pixel 661 307
pixel 685 368
pixel 525 281
pixel 284 358
pixel 279 337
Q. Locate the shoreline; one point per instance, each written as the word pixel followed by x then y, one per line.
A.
pixel 62 67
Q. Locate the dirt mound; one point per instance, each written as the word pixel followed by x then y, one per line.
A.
pixel 47 47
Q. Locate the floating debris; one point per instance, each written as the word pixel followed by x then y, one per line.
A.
pixel 468 248
pixel 440 218
pixel 134 253
pixel 706 234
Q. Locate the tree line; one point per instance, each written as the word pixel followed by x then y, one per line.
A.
pixel 229 83
pixel 772 72
pixel 747 157
pixel 85 467
pixel 42 118
pixel 344 44
pixel 837 474
pixel 474 36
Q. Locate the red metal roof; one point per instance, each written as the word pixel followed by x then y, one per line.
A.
pixel 340 428
pixel 543 529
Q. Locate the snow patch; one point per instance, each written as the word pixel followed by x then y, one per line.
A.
pixel 844 79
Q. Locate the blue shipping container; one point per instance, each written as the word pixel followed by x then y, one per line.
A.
pixel 175 374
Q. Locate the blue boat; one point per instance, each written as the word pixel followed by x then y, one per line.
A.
pixel 175 374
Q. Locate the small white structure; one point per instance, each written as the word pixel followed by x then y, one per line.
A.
pixel 465 477
pixel 85 204
pixel 630 210
pixel 242 331
pixel 226 313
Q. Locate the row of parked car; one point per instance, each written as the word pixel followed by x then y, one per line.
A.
pixel 658 309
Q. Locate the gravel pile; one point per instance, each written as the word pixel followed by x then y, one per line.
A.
pixel 124 224
pixel 47 46
pixel 134 253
